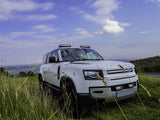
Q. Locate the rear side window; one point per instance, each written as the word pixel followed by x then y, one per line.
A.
pixel 55 54
pixel 44 59
pixel 48 55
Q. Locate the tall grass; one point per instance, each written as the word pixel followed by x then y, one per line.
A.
pixel 21 99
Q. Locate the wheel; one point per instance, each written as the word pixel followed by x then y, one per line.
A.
pixel 69 101
pixel 42 85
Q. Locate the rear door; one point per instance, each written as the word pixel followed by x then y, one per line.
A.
pixel 53 74
pixel 46 68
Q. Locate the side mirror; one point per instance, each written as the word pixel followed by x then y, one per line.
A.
pixel 52 59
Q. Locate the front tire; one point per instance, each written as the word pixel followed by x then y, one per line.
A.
pixel 69 101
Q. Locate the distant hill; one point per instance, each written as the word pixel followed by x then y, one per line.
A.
pixel 15 69
pixel 150 65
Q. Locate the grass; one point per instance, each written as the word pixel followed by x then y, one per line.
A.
pixel 20 99
pixel 132 107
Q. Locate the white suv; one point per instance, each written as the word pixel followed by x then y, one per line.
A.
pixel 78 68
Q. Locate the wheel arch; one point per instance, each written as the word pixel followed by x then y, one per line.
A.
pixel 40 78
pixel 69 82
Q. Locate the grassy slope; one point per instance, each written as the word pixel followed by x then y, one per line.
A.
pixel 20 99
pixel 148 65
pixel 147 61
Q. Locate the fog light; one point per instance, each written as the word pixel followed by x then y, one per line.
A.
pixel 118 87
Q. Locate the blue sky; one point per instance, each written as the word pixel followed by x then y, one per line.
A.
pixel 117 29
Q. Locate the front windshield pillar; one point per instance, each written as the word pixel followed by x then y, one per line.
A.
pixel 60 56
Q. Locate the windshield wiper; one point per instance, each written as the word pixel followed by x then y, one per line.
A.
pixel 79 60
pixel 97 59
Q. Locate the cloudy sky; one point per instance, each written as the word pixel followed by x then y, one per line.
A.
pixel 117 29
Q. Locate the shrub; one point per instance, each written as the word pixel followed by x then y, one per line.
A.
pixel 22 74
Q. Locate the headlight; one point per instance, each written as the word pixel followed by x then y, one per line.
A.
pixel 92 74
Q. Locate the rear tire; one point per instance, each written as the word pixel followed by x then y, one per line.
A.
pixel 40 83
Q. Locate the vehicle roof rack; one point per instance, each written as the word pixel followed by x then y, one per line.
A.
pixel 64 45
pixel 85 46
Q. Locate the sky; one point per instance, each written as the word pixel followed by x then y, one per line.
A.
pixel 117 29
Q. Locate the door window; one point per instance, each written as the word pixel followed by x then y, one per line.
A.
pixel 55 54
pixel 48 55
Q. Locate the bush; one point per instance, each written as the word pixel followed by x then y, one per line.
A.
pixel 30 73
pixel 22 74
pixel 2 70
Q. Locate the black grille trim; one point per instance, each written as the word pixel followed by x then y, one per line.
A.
pixel 122 78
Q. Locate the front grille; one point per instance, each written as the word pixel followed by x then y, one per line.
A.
pixel 118 71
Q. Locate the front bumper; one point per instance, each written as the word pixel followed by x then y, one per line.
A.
pixel 99 94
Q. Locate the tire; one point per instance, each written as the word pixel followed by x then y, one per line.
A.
pixel 40 82
pixel 42 86
pixel 69 101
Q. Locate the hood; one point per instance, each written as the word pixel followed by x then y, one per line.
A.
pixel 102 64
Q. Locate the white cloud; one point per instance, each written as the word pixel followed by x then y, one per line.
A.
pixel 39 36
pixel 38 17
pixel 102 14
pixel 89 1
pixel 18 34
pixel 9 42
pixel 105 7
pixel 43 28
pixel 10 8
pixel 36 30
pixel 46 6
pixel 124 24
pixel 83 32
pixel 145 32
pixel 45 37
pixel 154 0
pixel 96 19
pixel 76 9
pixel 102 10
pixel 111 27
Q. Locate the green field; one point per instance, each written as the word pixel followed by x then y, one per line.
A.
pixel 20 99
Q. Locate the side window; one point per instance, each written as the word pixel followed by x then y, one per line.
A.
pixel 55 54
pixel 48 55
pixel 44 59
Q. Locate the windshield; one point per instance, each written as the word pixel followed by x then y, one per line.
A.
pixel 77 54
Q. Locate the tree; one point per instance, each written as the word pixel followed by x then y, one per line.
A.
pixel 2 70
pixel 22 74
pixel 30 73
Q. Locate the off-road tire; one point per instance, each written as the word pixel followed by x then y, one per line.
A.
pixel 69 103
